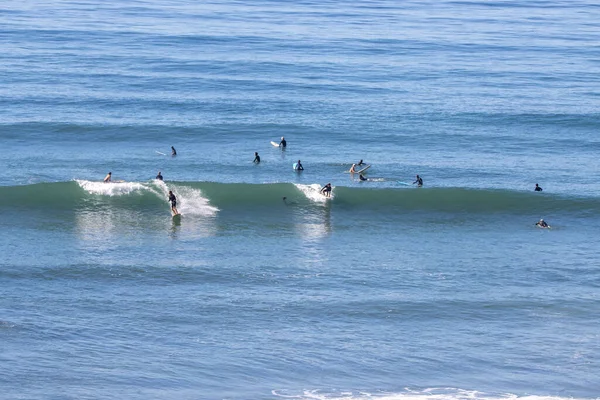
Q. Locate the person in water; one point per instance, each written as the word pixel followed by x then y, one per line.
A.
pixel 299 166
pixel 326 190
pixel 362 178
pixel 353 168
pixel 173 151
pixel 542 224
pixel 159 176
pixel 538 188
pixel 173 201
pixel 360 163
pixel 419 181
pixel 256 158
pixel 108 177
pixel 283 143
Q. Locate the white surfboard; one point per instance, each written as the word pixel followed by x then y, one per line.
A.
pixel 275 144
pixel 363 170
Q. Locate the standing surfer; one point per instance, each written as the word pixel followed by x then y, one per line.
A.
pixel 326 190
pixel 173 201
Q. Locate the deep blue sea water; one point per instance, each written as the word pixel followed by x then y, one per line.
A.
pixel 385 291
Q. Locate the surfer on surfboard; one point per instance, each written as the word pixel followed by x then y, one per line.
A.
pixel 353 168
pixel 108 177
pixel 173 201
pixel 542 224
pixel 326 190
pixel 298 166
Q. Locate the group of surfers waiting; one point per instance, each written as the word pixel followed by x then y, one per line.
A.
pixel 325 190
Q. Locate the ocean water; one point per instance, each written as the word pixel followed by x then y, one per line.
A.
pixel 264 289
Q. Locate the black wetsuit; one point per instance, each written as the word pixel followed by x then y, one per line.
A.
pixel 538 189
pixel 173 151
pixel 257 159
pixel 173 200
pixel 283 143
pixel 159 177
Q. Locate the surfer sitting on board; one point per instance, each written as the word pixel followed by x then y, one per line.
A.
pixel 283 143
pixel 108 177
pixel 173 151
pixel 173 201
pixel 360 163
pixel 326 190
pixel 353 168
pixel 299 166
pixel 542 224
pixel 419 181
pixel 538 188
pixel 256 158
pixel 159 176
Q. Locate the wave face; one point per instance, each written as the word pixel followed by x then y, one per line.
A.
pixel 208 198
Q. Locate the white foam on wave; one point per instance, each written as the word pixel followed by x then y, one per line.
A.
pixel 313 192
pixel 189 200
pixel 426 394
pixel 110 188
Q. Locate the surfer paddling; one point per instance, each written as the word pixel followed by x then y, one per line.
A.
pixel 108 177
pixel 173 201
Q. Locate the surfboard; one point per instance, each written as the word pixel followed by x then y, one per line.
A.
pixel 162 154
pixel 363 170
pixel 175 215
pixel 275 144
pixel 403 183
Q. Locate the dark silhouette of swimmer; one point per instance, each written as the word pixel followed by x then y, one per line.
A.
pixel 538 188
pixel 256 158
pixel 362 178
pixel 360 163
pixel 299 166
pixel 419 181
pixel 173 151
pixel 159 176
